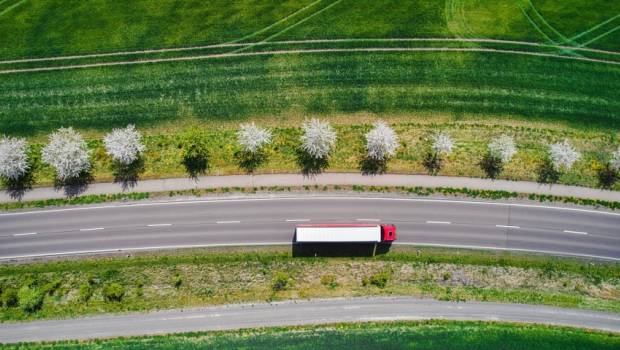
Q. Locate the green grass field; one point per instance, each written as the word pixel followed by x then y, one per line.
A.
pixel 422 335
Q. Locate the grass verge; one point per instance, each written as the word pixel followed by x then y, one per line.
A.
pixel 413 191
pixel 427 335
pixel 71 288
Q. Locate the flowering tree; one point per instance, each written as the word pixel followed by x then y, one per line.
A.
pixel 563 155
pixel 615 160
pixel 124 145
pixel 381 142
pixel 252 137
pixel 318 138
pixel 13 158
pixel 503 148
pixel 68 153
pixel 442 143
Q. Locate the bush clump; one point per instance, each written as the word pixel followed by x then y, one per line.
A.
pixel 329 281
pixel 113 292
pixel 30 299
pixel 85 292
pixel 9 297
pixel 379 279
pixel 177 280
pixel 281 281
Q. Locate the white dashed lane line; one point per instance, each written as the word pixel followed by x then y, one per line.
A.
pixel 576 232
pixel 92 229
pixel 439 222
pixel 229 222
pixel 24 234
pixel 507 226
pixel 297 220
pixel 158 225
pixel 368 219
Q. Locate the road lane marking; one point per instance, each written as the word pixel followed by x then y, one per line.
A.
pixel 297 220
pixel 439 222
pixel 208 201
pixel 368 219
pixel 507 226
pixel 158 225
pixel 24 234
pixel 92 229
pixel 576 232
pixel 229 222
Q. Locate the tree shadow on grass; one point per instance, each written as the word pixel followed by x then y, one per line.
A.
pixel 128 174
pixel 370 166
pixel 311 166
pixel 16 188
pixel 249 161
pixel 196 166
pixel 73 187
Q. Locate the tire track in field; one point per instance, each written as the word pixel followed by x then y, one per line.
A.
pixel 309 51
pixel 8 9
pixel 308 41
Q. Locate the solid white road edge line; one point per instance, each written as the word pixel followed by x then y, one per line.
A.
pixel 82 252
pixel 206 201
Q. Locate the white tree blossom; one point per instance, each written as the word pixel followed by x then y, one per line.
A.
pixel 563 155
pixel 124 145
pixel 67 152
pixel 442 143
pixel 615 160
pixel 253 137
pixel 13 158
pixel 381 141
pixel 503 147
pixel 318 138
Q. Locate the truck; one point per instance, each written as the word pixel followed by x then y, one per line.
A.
pixel 345 233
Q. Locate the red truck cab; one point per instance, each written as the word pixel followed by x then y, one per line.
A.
pixel 388 232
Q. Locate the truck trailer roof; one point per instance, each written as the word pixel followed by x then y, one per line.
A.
pixel 362 233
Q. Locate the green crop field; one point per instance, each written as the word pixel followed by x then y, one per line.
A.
pixel 426 335
pixel 560 74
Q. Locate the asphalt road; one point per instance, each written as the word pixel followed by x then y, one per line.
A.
pixel 155 225
pixel 300 313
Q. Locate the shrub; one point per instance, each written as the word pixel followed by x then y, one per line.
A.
pixel 195 152
pixel 442 143
pixel 9 297
pixel 547 173
pixel 329 281
pixel 503 148
pixel 51 287
pixel 447 276
pixel 606 175
pixel 113 292
pixel 281 281
pixel 177 280
pixel 85 292
pixel 379 279
pixel 29 299
pixel 563 155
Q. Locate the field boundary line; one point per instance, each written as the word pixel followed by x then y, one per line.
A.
pixel 594 28
pixel 538 29
pixel 310 51
pixel 274 24
pixel 308 41
pixel 8 9
pixel 560 35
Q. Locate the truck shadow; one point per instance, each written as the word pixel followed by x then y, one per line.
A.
pixel 339 249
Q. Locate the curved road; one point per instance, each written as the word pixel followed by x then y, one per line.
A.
pixel 159 225
pixel 300 313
